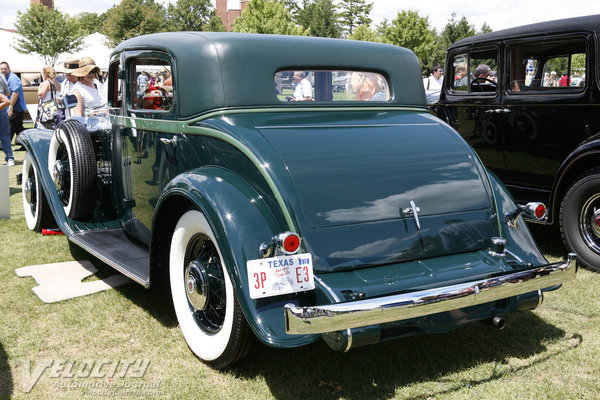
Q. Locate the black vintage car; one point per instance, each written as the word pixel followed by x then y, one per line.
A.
pixel 527 99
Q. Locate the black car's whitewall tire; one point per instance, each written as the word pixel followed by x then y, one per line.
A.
pixel 580 218
pixel 210 318
pixel 35 206
pixel 72 165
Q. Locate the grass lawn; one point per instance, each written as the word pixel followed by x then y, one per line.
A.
pixel 552 352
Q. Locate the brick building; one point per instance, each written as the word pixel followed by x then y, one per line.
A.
pixel 229 10
pixel 47 3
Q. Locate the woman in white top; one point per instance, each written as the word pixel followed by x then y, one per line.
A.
pixel 88 89
pixel 48 88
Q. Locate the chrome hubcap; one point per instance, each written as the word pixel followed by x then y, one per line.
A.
pixel 58 173
pixel 589 223
pixel 28 190
pixel 196 285
pixel 596 222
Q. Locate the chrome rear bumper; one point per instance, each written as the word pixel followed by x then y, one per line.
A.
pixel 354 314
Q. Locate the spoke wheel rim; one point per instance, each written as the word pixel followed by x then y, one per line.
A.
pixel 30 191
pixel 62 175
pixel 589 217
pixel 205 284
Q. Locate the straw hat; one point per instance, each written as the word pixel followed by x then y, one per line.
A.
pixel 86 65
pixel 70 64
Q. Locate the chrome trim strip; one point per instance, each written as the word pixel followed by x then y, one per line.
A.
pixel 339 316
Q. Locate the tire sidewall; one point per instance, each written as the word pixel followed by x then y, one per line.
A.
pixel 206 346
pixel 574 200
pixel 60 137
pixel 32 219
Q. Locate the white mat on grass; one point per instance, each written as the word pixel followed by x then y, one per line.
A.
pixel 62 281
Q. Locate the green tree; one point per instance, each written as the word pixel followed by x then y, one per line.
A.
pixel 265 16
pixel 193 15
pixel 455 30
pixel 413 32
pixel 485 28
pixel 47 33
pixel 366 34
pixel 90 22
pixel 355 13
pixel 320 16
pixel 133 18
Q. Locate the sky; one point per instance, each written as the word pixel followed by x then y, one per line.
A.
pixel 498 15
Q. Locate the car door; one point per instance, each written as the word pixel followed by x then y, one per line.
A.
pixel 471 103
pixel 547 109
pixel 149 159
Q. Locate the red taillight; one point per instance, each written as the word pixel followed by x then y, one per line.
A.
pixel 540 211
pixel 291 243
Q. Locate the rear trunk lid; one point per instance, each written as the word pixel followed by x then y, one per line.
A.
pixel 375 194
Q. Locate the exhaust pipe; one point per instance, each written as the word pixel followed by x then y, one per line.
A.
pixel 497 322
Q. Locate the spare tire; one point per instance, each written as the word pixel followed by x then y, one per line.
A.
pixel 72 165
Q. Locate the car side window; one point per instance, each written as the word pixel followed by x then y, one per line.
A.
pixel 151 84
pixel 553 65
pixel 475 72
pixel 115 95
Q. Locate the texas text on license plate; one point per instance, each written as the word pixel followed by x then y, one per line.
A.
pixel 280 275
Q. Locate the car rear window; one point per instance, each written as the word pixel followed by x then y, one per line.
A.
pixel 331 86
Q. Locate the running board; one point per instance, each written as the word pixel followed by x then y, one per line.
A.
pixel 118 250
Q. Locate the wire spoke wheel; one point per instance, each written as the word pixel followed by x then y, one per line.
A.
pixel 204 265
pixel 580 218
pixel 35 206
pixel 208 312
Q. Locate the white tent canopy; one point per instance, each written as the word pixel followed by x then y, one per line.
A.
pixel 18 62
pixel 93 46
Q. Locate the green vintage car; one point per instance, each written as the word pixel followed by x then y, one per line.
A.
pixel 280 208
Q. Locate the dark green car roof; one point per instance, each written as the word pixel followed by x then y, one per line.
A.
pixel 216 70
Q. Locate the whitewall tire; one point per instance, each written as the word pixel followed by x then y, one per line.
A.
pixel 35 206
pixel 209 315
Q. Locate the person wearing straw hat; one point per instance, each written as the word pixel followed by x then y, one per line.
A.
pixel 67 66
pixel 88 89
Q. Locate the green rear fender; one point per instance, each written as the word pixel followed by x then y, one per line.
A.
pixel 241 221
pixel 519 240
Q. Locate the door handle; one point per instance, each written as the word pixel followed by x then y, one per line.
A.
pixel 498 110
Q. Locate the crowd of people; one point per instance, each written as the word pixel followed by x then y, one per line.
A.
pixel 83 80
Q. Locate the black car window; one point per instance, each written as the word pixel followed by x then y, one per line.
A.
pixel 539 66
pixel 115 94
pixel 475 72
pixel 152 84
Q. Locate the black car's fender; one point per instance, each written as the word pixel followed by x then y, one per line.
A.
pixel 583 158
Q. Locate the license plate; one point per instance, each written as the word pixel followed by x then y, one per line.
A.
pixel 280 275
